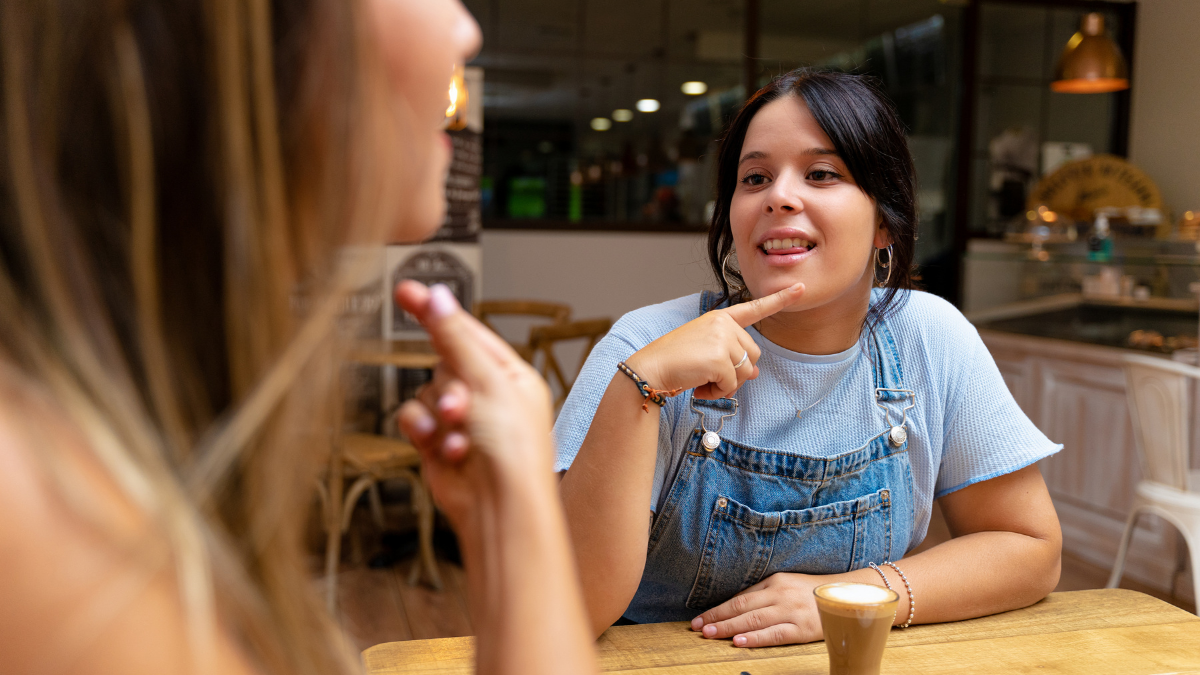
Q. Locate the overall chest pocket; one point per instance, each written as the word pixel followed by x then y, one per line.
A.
pixel 744 546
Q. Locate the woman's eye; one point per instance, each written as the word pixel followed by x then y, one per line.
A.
pixel 754 179
pixel 823 175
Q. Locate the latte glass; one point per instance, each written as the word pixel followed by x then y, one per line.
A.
pixel 856 619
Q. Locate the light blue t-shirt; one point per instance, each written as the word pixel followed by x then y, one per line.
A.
pixel 965 426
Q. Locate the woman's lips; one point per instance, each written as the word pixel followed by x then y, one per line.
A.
pixel 786 256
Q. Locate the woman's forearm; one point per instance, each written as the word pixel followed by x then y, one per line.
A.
pixel 973 575
pixel 524 591
pixel 606 496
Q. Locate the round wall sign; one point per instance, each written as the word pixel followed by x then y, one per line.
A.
pixel 1079 188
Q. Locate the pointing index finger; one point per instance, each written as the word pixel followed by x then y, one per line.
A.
pixel 750 313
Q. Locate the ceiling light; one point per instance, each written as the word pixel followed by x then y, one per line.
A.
pixel 1091 63
pixel 693 88
pixel 622 115
pixel 647 105
pixel 601 123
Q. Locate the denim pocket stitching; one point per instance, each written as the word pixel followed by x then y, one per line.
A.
pixel 859 469
pixel 700 596
pixel 702 586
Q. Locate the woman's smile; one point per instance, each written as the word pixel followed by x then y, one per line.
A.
pixel 785 247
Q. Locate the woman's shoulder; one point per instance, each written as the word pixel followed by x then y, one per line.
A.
pixel 935 338
pixel 646 324
pixel 931 316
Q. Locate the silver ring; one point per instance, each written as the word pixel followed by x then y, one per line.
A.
pixel 745 357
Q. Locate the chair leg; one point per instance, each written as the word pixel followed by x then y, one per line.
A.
pixel 1193 544
pixel 376 505
pixel 427 560
pixel 333 553
pixel 1123 550
pixel 359 486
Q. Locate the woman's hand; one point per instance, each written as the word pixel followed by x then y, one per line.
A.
pixel 779 610
pixel 483 430
pixel 483 397
pixel 712 353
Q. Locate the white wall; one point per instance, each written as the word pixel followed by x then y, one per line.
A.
pixel 1165 121
pixel 600 274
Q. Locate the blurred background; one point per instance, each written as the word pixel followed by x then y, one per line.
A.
pixel 1057 150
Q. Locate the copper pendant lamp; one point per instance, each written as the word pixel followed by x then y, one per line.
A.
pixel 1091 63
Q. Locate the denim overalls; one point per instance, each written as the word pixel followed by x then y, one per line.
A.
pixel 737 514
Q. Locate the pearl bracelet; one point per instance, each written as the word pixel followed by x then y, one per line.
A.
pixel 912 605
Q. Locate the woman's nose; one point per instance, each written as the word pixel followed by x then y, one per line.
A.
pixel 467 35
pixel 783 198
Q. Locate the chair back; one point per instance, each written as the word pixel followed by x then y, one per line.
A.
pixel 544 339
pixel 1158 392
pixel 557 313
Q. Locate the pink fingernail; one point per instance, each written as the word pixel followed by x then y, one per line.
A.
pixel 739 641
pixel 697 623
pixel 455 442
pixel 442 302
pixel 710 630
pixel 424 425
pixel 446 402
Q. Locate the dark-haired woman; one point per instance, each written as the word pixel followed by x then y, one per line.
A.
pixel 795 429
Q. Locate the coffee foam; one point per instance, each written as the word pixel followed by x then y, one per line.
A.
pixel 857 594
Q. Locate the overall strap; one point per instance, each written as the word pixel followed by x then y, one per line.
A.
pixel 709 300
pixel 889 375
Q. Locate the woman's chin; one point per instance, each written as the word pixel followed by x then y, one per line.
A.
pixel 419 224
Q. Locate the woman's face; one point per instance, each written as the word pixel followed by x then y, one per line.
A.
pixel 422 42
pixel 797 214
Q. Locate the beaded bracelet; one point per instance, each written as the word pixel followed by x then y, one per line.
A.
pixel 912 604
pixel 884 576
pixel 650 394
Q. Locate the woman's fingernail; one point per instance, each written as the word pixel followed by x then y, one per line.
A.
pixel 455 443
pixel 424 425
pixel 442 302
pixel 710 630
pixel 740 641
pixel 795 287
pixel 447 402
pixel 697 623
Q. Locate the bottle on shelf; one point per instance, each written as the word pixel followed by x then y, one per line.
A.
pixel 1100 244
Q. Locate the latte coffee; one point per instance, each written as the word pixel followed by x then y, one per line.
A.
pixel 856 619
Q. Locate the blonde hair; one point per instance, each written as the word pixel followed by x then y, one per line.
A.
pixel 174 176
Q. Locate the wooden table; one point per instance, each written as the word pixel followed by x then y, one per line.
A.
pixel 401 354
pixel 1100 631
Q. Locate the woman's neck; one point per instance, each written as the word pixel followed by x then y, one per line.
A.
pixel 828 329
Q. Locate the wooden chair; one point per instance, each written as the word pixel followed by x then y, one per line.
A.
pixel 544 339
pixel 1158 403
pixel 555 312
pixel 368 459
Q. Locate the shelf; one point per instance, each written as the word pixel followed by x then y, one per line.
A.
pixel 1165 259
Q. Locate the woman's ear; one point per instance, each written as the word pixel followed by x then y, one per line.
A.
pixel 883 238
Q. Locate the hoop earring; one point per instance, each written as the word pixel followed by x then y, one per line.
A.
pixel 725 271
pixel 879 263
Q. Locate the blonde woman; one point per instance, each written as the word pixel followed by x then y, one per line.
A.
pixel 176 179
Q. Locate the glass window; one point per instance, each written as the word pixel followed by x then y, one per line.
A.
pixel 606 115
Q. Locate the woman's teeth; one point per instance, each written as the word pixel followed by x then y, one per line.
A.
pixel 772 244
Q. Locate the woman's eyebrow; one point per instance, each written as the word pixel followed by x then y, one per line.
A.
pixel 753 154
pixel 759 154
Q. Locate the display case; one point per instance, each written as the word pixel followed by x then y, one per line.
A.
pixel 1059 318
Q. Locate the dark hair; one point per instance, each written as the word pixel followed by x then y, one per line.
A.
pixel 867 135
